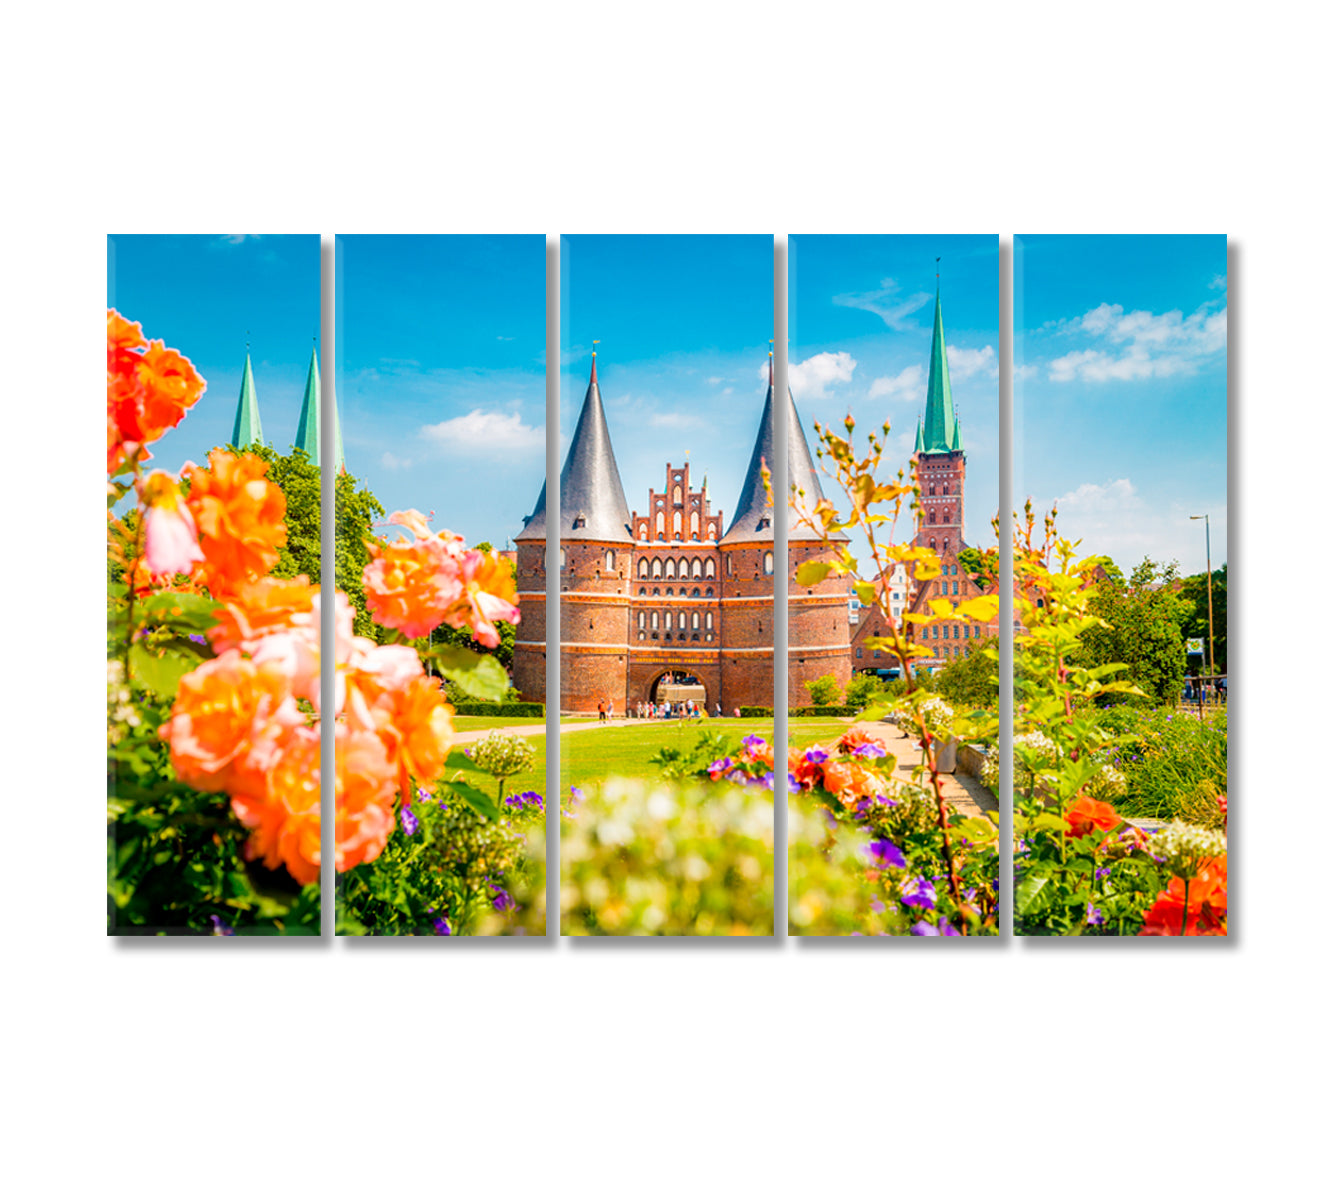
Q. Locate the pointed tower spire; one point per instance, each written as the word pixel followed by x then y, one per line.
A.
pixel 592 500
pixel 940 434
pixel 754 517
pixel 309 426
pixel 917 449
pixel 247 431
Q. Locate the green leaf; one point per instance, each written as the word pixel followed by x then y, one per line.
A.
pixel 478 801
pixel 160 673
pixel 865 592
pixel 1027 892
pixel 811 573
pixel 181 612
pixel 479 675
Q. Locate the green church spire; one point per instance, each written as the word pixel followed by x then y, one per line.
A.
pixel 942 427
pixel 247 430
pixel 917 449
pixel 308 428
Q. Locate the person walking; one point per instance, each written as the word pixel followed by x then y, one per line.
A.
pixel 602 712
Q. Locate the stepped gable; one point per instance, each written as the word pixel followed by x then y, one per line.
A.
pixel 753 521
pixel 308 427
pixel 592 500
pixel 246 429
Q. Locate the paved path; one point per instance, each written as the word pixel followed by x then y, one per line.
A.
pixel 963 793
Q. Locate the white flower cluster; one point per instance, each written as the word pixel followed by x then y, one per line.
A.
pixel 121 715
pixel 938 715
pixel 1182 846
pixel 504 754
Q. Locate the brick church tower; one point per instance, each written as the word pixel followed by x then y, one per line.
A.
pixel 595 555
pixel 941 470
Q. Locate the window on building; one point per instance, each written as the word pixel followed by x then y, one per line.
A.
pixel 653 620
pixel 696 569
pixel 641 620
pixel 713 532
pixel 729 564
pixel 708 620
pixel 643 568
pixel 676 526
pixel 657 568
pixel 676 495
pixel 956 588
pixel 661 528
pixel 611 560
pixel 768 562
pixel 562 558
pixel 875 653
pixel 694 620
pixel 694 526
pixel 859 652
pixel 669 570
pixel 685 568
pixel 708 569
pixel 977 631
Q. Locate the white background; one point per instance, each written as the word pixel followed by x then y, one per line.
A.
pixel 1091 1069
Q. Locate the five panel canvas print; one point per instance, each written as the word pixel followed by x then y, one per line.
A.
pixel 685 469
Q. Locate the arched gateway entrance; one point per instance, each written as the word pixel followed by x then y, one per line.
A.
pixel 678 687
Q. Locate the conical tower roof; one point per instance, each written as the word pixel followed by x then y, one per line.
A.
pixel 592 500
pixel 941 434
pixel 246 430
pixel 308 427
pixel 754 517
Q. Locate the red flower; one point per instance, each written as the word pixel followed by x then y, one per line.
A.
pixel 1086 814
pixel 1200 911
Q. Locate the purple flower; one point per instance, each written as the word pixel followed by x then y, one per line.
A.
pixel 919 892
pixel 720 765
pixel 220 927
pixel 576 794
pixel 886 854
pixel 877 906
pixel 946 929
pixel 503 901
pixel 922 929
pixel 1094 916
pixel 816 755
pixel 766 780
pixel 870 750
pixel 198 638
pixel 792 784
pixel 753 744
pixel 408 820
pixel 442 928
pixel 1102 872
pixel 423 794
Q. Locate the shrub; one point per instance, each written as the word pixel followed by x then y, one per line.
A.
pixel 862 689
pixel 824 691
pixel 517 708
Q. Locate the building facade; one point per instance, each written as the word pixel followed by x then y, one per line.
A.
pixel 675 591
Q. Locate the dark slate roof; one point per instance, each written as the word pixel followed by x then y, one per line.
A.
pixel 753 521
pixel 592 501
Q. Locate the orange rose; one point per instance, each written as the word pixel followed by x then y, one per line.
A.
pixel 149 390
pixel 284 818
pixel 410 586
pixel 239 515
pixel 259 607
pixel 230 718
pixel 1086 814
pixel 854 738
pixel 414 724
pixel 365 798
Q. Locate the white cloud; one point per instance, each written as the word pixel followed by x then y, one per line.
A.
pixel 906 384
pixel 809 379
pixel 965 363
pixel 235 239
pixel 887 304
pixel 714 380
pixel 489 433
pixel 1140 344
pixel 393 462
pixel 1219 283
pixel 674 420
pixel 1094 497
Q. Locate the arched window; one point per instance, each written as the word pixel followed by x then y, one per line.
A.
pixel 562 558
pixel 696 569
pixel 713 531
pixel 657 568
pixel 685 568
pixel 729 564
pixel 676 526
pixel 708 620
pixel 768 562
pixel 670 592
pixel 694 591
pixel 641 620
pixel 708 591
pixel 643 531
pixel 643 568
pixel 667 620
pixel 933 489
pixel 947 545
pixel 653 621
pixel 676 494
pixel 611 560
pixel 708 568
pixel 931 517
pixel 694 526
pixel 947 516
pixel 694 620
pixel 661 527
pixel 643 591
pixel 670 571
pixel 933 543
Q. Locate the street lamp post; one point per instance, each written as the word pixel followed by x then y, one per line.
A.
pixel 1209 577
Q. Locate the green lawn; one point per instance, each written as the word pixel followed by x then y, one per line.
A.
pixel 805 731
pixel 465 724
pixel 588 757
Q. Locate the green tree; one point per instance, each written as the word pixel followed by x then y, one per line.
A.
pixel 972 679
pixel 355 511
pixel 862 689
pixel 1145 614
pixel 1195 588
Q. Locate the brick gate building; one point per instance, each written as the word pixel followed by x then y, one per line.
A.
pixel 674 589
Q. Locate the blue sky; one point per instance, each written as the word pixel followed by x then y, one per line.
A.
pixel 861 312
pixel 441 375
pixel 1121 391
pixel 683 326
pixel 204 295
